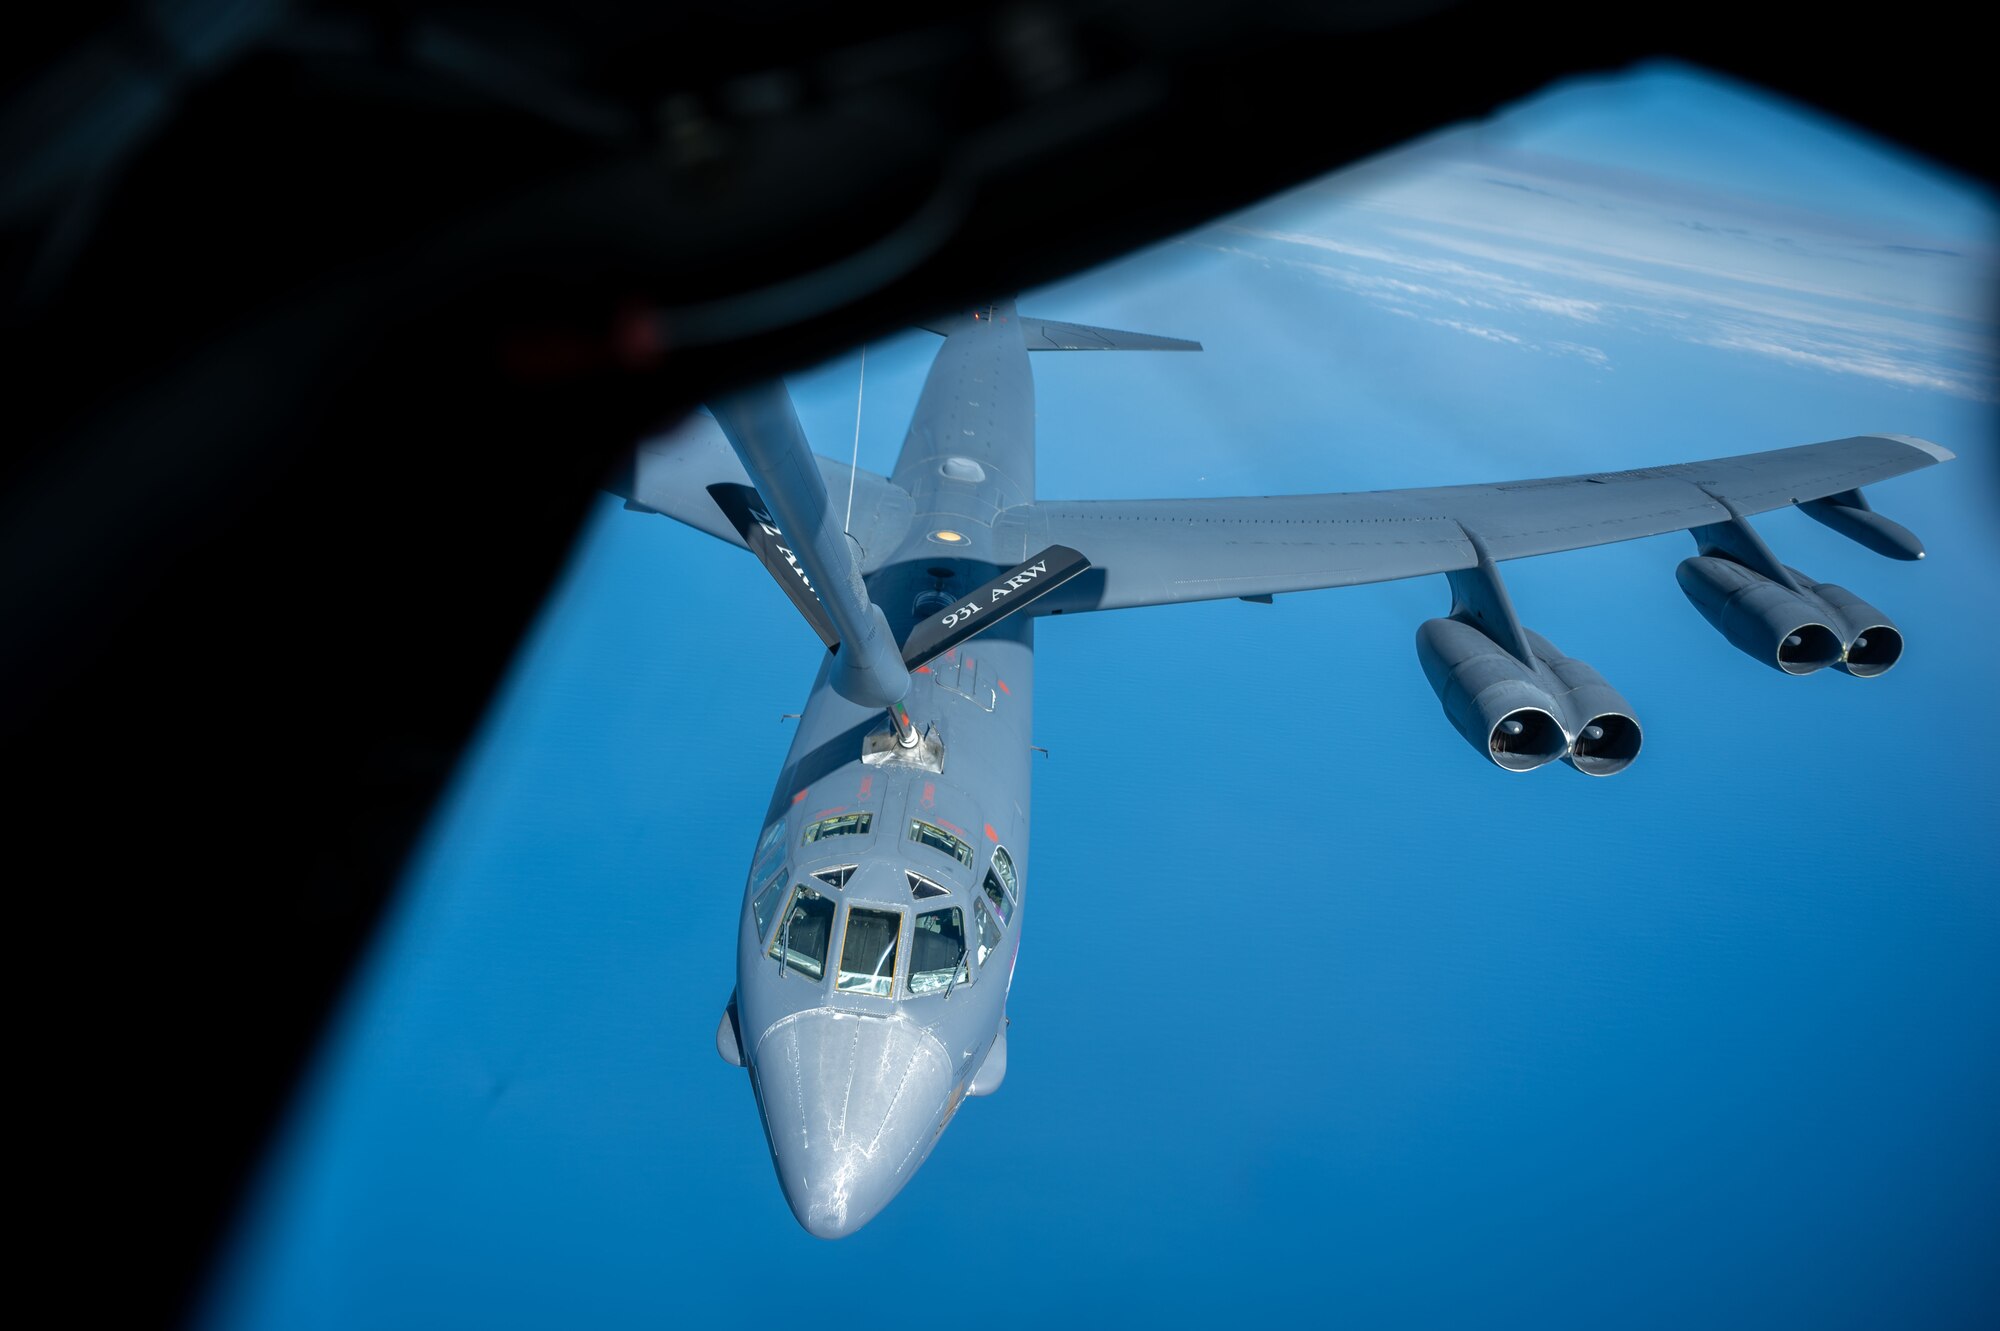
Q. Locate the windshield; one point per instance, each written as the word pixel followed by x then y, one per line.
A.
pixel 937 950
pixel 765 904
pixel 868 955
pixel 921 887
pixel 804 932
pixel 929 834
pixel 1003 864
pixel 1003 905
pixel 989 931
pixel 769 851
pixel 842 824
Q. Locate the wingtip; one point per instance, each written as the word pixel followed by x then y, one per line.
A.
pixel 1938 452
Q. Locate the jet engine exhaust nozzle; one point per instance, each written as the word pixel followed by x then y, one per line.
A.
pixel 1873 645
pixel 1873 652
pixel 1605 746
pixel 1525 739
pixel 1795 631
pixel 1490 698
pixel 1604 734
pixel 1525 714
pixel 1807 648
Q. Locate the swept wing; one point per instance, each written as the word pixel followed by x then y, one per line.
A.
pixel 1162 551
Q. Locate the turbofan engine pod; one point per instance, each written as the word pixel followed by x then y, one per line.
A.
pixel 1796 631
pixel 1604 735
pixel 1524 714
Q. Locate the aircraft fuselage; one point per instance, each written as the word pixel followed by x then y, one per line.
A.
pixel 861 1027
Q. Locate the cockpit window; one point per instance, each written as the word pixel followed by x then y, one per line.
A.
pixel 989 931
pixel 765 903
pixel 1003 904
pixel 769 851
pixel 868 955
pixel 937 950
pixel 921 887
pixel 927 834
pixel 1003 865
pixel 841 824
pixel 804 932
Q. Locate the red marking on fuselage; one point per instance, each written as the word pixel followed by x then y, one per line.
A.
pixel 828 813
pixel 952 828
pixel 991 835
pixel 800 797
pixel 930 792
pixel 923 670
pixel 1003 687
pixel 867 784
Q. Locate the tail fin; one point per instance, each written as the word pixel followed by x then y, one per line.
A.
pixel 1049 335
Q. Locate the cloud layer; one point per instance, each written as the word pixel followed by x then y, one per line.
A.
pixel 1570 259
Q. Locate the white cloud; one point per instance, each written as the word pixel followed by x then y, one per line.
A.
pixel 1477 330
pixel 1873 365
pixel 1569 307
pixel 1595 355
pixel 1630 264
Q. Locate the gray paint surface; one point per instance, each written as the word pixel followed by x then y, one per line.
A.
pixel 855 1088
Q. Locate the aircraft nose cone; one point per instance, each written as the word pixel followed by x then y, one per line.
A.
pixel 851 1106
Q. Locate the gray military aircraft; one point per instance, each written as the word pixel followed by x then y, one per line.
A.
pixel 883 912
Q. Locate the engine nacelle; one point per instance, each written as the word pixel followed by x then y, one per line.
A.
pixel 1522 715
pixel 1873 643
pixel 1604 735
pixel 1797 632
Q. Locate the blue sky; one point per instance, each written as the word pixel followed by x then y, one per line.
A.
pixel 1318 1014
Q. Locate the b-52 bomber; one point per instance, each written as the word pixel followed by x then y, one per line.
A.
pixel 883 911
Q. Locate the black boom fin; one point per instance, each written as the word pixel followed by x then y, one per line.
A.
pixel 1019 586
pixel 745 510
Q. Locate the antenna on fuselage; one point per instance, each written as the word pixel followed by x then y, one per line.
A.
pixel 854 460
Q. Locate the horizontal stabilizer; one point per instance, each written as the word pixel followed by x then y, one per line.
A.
pixel 746 513
pixel 1021 585
pixel 1048 335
